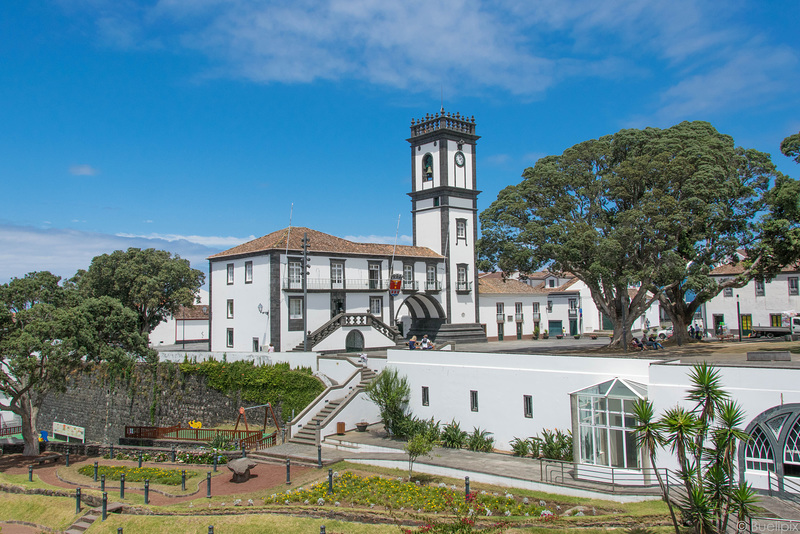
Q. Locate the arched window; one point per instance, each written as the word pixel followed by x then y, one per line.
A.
pixel 791 452
pixel 427 167
pixel 758 452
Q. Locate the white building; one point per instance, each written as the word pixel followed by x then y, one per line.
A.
pixel 759 303
pixel 512 308
pixel 188 325
pixel 256 289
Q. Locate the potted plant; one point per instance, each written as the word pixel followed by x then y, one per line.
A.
pixel 593 336
pixel 559 336
pixel 546 335
pixel 362 426
pixel 536 333
pixel 577 336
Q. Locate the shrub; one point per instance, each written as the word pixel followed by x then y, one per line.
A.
pixel 452 436
pixel 410 426
pixel 520 447
pixel 555 444
pixel 391 393
pixel 480 440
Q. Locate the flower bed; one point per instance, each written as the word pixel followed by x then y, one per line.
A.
pixel 400 495
pixel 156 475
pixel 202 456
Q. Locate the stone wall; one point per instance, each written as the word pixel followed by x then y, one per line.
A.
pixel 104 406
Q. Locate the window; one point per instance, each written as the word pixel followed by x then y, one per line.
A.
pixel 549 306
pixel 535 307
pixel 295 274
pixel 461 277
pixel 551 282
pixel 230 308
pixel 256 345
pixel 426 401
pixel 775 319
pixel 501 316
pixel 295 308
pixel 376 306
pixel 337 275
pixel 461 230
pixel 408 275
pixel 759 288
pixel 473 400
pixel 229 338
pixel 427 167
pixel 727 292
pixel 518 312
pixel 527 405
pixel 758 452
pixel 374 275
pixel 431 277
pixel 248 272
pixel 230 273
pixel 793 285
pixel 435 202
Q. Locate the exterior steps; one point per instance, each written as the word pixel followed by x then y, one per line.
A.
pixel 308 434
pixel 92 515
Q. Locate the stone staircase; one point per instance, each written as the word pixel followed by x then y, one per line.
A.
pixel 308 434
pixel 454 333
pixel 92 515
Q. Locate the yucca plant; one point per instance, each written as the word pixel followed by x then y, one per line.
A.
pixel 452 437
pixel 520 447
pixel 480 440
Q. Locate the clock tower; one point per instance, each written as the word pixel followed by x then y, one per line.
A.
pixel 444 208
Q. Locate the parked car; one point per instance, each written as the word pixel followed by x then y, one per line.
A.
pixel 664 333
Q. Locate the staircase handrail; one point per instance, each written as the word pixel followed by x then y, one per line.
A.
pixel 352 319
pixel 311 410
pixel 352 394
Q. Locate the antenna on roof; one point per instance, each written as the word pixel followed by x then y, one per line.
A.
pixel 442 88
pixel 289 231
pixel 391 265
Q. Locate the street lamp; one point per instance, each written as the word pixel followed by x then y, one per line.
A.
pixel 739 317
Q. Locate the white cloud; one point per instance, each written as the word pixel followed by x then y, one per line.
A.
pixel 82 170
pixel 691 48
pixel 383 239
pixel 24 249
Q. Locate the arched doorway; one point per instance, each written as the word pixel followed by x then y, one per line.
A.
pixel 354 341
pixel 427 315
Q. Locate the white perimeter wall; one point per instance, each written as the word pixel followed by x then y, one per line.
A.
pixel 501 380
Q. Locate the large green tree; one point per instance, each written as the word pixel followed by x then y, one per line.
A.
pixel 639 216
pixel 48 332
pixel 153 283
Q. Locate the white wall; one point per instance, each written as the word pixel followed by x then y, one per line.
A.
pixel 170 331
pixel 247 321
pixel 501 381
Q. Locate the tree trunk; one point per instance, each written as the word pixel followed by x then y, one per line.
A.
pixel 28 413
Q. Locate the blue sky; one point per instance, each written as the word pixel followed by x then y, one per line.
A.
pixel 193 125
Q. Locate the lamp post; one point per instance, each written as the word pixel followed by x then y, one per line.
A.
pixel 262 312
pixel 739 317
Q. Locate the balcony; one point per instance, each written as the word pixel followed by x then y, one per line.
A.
pixel 573 313
pixel 327 284
pixel 463 286
pixel 501 318
pixel 410 286
pixel 537 316
pixel 432 286
pixel 518 317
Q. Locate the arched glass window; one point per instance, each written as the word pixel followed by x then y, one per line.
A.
pixel 791 451
pixel 758 452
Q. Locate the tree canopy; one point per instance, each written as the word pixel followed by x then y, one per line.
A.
pixel 48 331
pixel 153 283
pixel 639 216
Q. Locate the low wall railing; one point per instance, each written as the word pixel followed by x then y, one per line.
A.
pixel 10 430
pixel 248 438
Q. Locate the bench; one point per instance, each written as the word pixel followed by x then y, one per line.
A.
pixel 47 459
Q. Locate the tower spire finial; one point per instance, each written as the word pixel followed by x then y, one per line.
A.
pixel 442 89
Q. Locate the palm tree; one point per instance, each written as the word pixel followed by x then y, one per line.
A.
pixel 649 437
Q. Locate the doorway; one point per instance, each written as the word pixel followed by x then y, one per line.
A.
pixel 354 341
pixel 337 304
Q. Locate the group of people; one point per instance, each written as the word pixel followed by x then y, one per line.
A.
pixel 648 342
pixel 424 344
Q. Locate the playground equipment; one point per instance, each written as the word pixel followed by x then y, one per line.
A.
pixel 267 412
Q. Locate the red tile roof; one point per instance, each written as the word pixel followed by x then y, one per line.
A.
pixel 321 242
pixel 488 286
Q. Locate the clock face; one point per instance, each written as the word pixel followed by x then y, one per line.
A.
pixel 460 159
